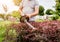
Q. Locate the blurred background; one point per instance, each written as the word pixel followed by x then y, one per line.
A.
pixel 11 6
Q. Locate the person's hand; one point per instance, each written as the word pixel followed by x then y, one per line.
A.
pixel 25 17
pixel 22 19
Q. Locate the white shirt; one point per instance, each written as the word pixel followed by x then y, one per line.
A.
pixel 29 6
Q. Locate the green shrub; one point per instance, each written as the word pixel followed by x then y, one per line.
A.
pixel 2 32
pixel 55 17
pixel 49 11
pixel 41 10
pixel 57 7
pixel 2 16
pixel 7 33
pixel 16 14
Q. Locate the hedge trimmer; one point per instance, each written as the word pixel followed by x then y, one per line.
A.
pixel 25 20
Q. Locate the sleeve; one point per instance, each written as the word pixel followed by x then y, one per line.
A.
pixel 36 3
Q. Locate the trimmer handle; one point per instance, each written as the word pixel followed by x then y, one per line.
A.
pixel 24 18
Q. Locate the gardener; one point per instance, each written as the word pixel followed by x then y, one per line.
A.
pixel 30 8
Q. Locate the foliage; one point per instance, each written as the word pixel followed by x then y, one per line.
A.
pixel 58 7
pixel 39 20
pixel 49 11
pixel 17 2
pixel 47 31
pixel 2 16
pixel 55 17
pixel 41 10
pixel 10 35
pixel 57 0
pixel 7 16
pixel 7 34
pixel 2 33
pixel 15 14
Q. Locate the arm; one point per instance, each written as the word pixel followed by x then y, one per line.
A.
pixel 35 12
pixel 20 8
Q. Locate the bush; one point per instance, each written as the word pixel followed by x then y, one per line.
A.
pixel 41 14
pixel 7 33
pixel 54 17
pixel 48 31
pixel 57 7
pixel 17 2
pixel 41 10
pixel 2 16
pixel 16 14
pixel 49 11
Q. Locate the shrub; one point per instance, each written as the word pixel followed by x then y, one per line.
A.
pixel 57 7
pixel 17 2
pixel 2 16
pixel 49 11
pixel 48 31
pixel 54 17
pixel 16 14
pixel 41 10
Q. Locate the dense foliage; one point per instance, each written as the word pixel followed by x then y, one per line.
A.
pixel 55 17
pixel 49 11
pixel 6 32
pixel 48 31
pixel 17 2
pixel 41 10
pixel 15 14
pixel 58 7
pixel 2 16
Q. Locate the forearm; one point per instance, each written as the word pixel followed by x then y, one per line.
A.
pixel 20 10
pixel 34 14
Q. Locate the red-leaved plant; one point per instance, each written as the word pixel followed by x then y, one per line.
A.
pixel 48 31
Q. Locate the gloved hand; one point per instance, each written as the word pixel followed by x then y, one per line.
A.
pixel 24 18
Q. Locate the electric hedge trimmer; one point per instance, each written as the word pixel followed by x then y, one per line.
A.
pixel 25 20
